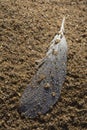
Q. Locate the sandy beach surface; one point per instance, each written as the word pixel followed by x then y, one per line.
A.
pixel 26 29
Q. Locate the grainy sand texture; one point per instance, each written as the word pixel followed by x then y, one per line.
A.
pixel 26 29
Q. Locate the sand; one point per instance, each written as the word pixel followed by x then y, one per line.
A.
pixel 26 29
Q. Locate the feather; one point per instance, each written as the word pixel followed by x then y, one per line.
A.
pixel 45 86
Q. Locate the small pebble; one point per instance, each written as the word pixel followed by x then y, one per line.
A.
pixel 53 94
pixel 47 86
pixel 54 52
pixel 57 41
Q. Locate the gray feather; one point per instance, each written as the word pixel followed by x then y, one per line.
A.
pixel 45 87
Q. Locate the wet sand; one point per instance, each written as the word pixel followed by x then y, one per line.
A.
pixel 26 29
